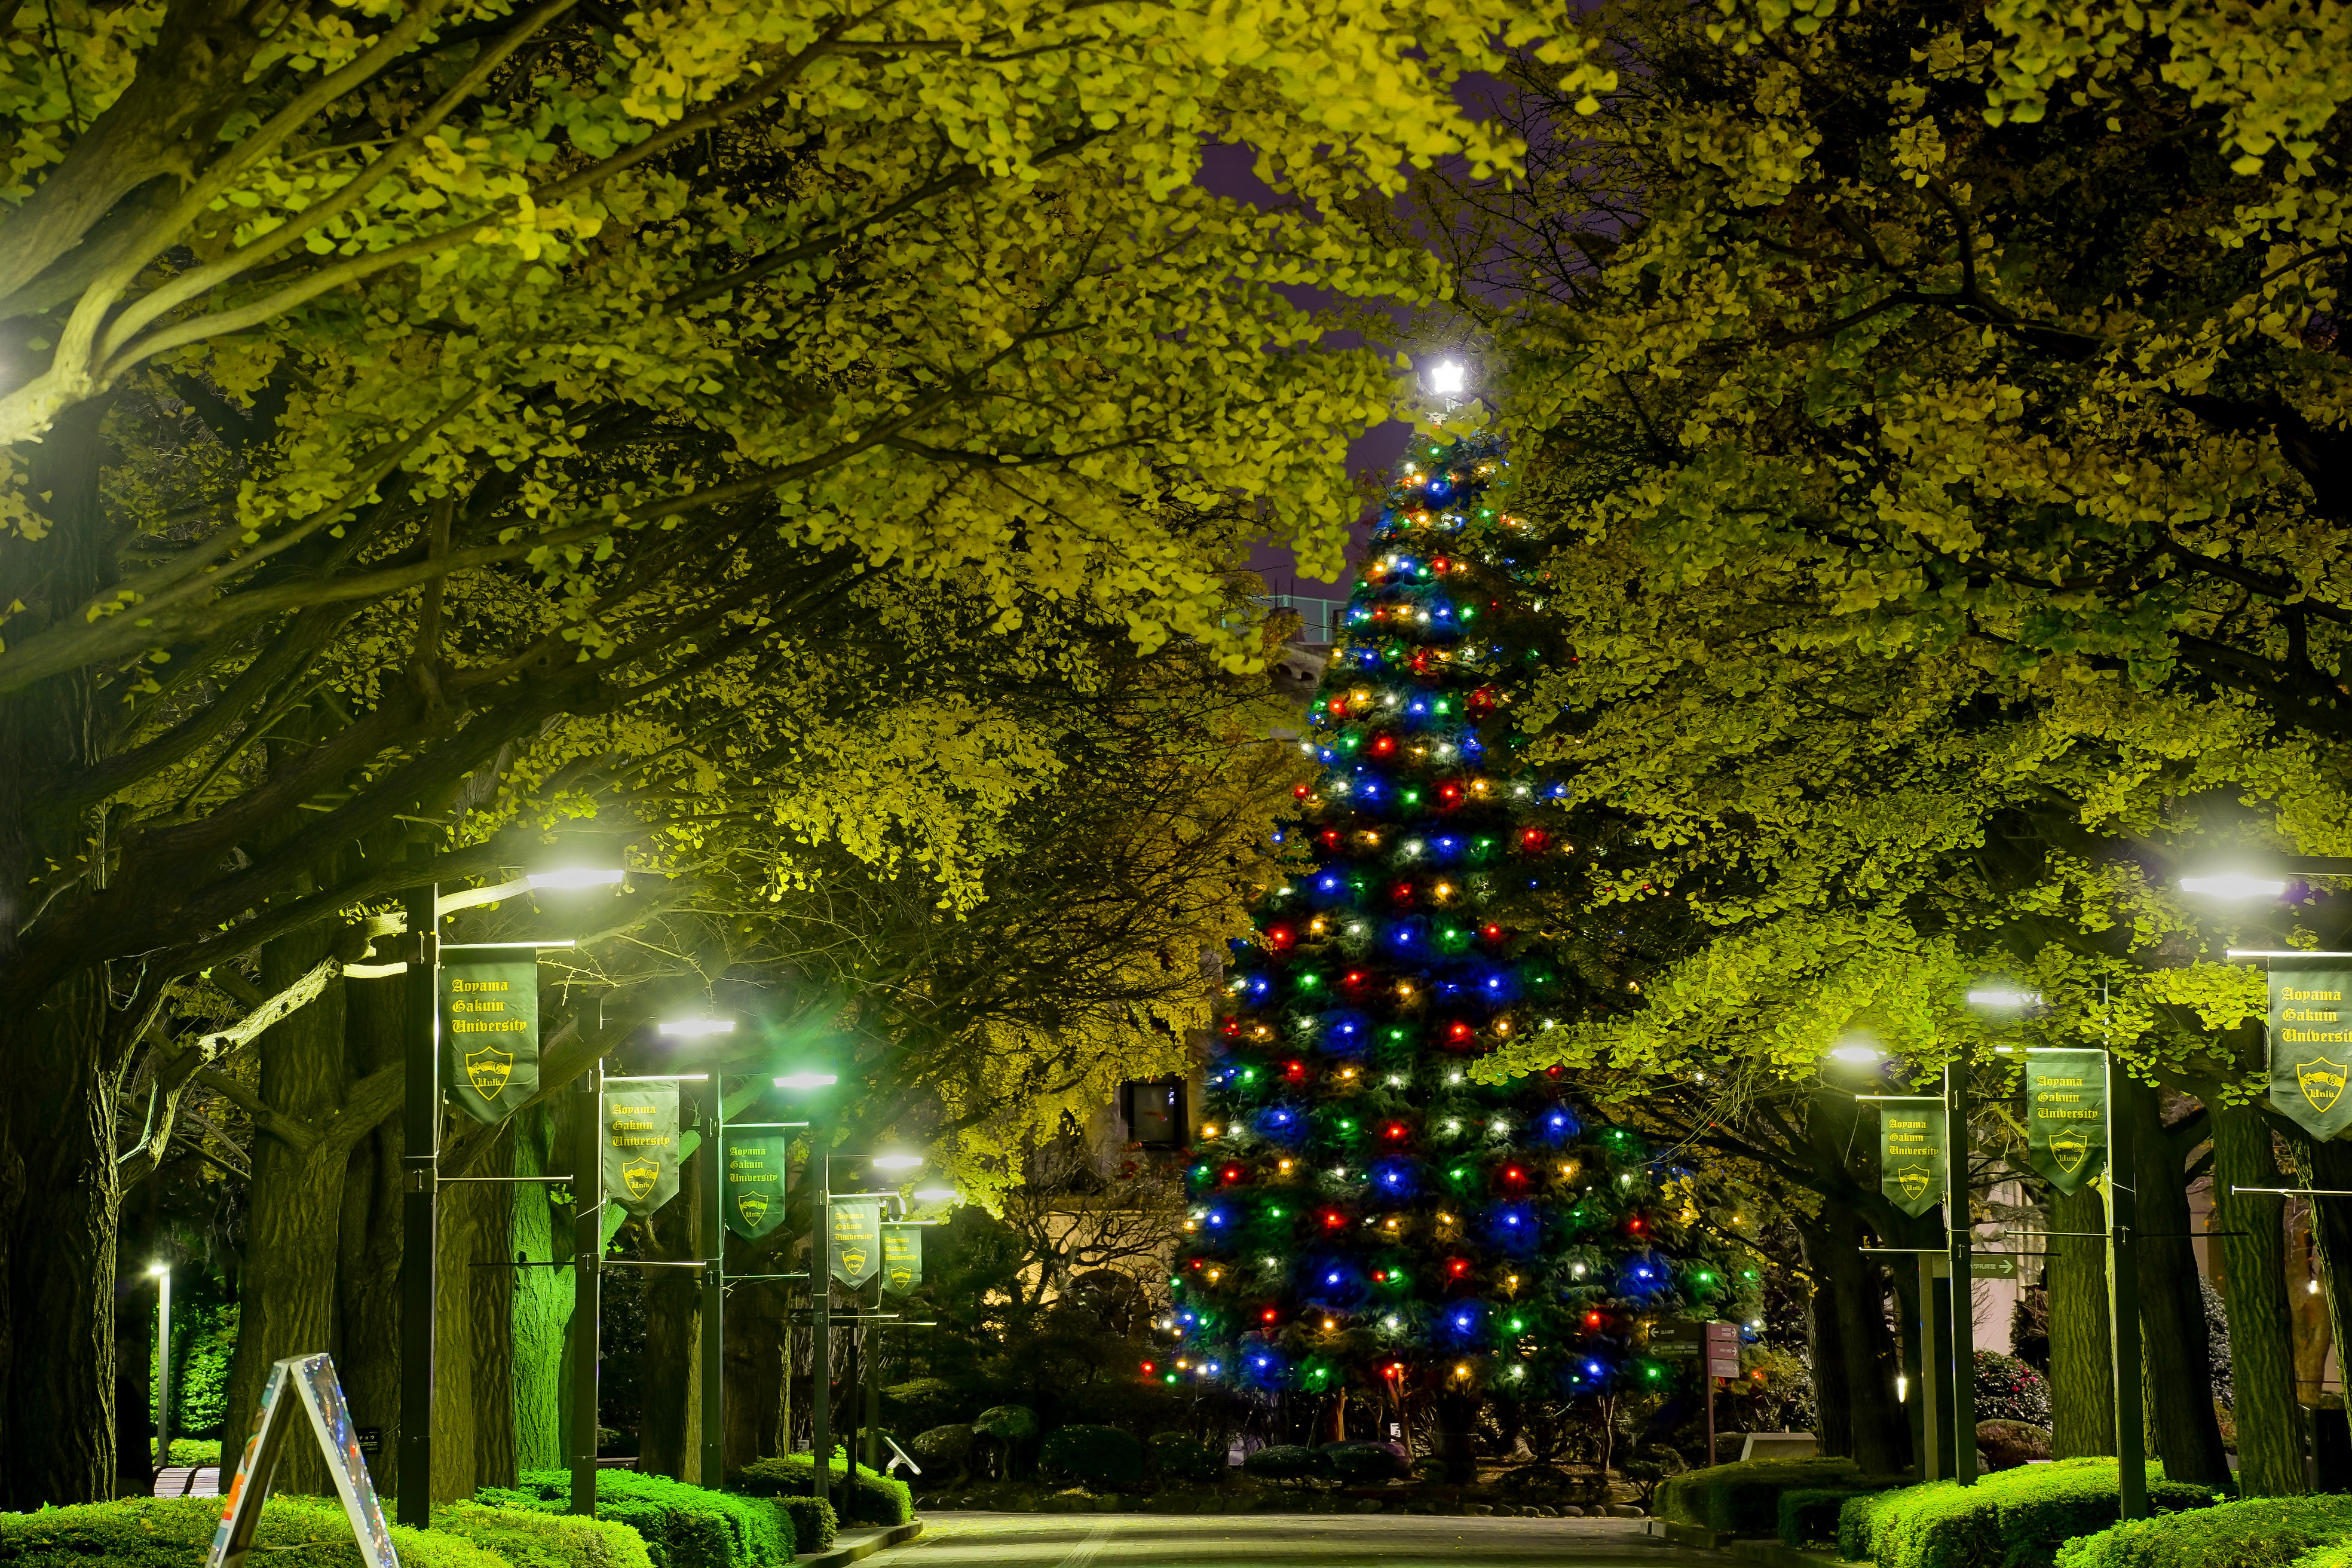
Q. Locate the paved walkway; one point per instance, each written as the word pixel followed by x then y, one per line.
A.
pixel 960 1540
pixel 188 1480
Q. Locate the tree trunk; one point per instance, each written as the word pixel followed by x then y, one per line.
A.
pixel 542 1296
pixel 2178 1356
pixel 473 1387
pixel 2082 1336
pixel 756 1353
pixel 367 1266
pixel 669 1441
pixel 1828 1263
pixel 58 1188
pixel 2262 1344
pixel 287 1290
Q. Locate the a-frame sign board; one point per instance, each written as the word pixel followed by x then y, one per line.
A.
pixel 306 1381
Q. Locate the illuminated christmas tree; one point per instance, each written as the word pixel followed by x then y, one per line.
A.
pixel 1365 1219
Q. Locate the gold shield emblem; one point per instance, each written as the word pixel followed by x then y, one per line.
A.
pixel 1915 1180
pixel 488 1070
pixel 753 1205
pixel 640 1177
pixel 2068 1151
pixel 901 1278
pixel 853 1259
pixel 2322 1082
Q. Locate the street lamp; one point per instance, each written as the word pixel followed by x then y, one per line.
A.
pixel 694 1029
pixel 806 1080
pixel 423 909
pixel 1854 1053
pixel 935 1194
pixel 2233 885
pixel 1447 378
pixel 895 1160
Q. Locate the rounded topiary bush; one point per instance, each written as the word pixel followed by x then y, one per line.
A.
pixel 2009 1390
pixel 945 1454
pixel 1100 1456
pixel 1006 1422
pixel 1180 1459
pixel 1363 1464
pixel 1289 1462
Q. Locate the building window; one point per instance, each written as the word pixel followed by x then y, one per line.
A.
pixel 1154 1112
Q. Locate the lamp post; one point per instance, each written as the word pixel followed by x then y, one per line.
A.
pixel 424 908
pixel 161 1272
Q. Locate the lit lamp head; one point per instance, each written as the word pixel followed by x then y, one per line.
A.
pixel 2233 885
pixel 805 1081
pixel 694 1029
pixel 1447 378
pixel 157 1270
pixel 571 877
pixel 1855 1053
pixel 896 1160
pixel 1997 1001
pixel 937 1194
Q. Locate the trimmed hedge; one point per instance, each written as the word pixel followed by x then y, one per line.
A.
pixel 1289 1462
pixel 1744 1497
pixel 1808 1515
pixel 2010 1519
pixel 1180 1459
pixel 684 1526
pixel 173 1532
pixel 815 1524
pixel 1098 1456
pixel 2261 1533
pixel 872 1499
pixel 525 1538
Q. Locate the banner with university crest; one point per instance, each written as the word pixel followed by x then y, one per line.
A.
pixel 489 1028
pixel 857 1240
pixel 2066 1116
pixel 1911 1151
pixel 754 1200
pixel 2311 1044
pixel 641 1145
pixel 902 1257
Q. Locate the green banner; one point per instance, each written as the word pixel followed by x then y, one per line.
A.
pixel 490 1027
pixel 1911 1153
pixel 902 1257
pixel 857 1240
pixel 2311 1045
pixel 756 1182
pixel 641 1145
pixel 2066 1116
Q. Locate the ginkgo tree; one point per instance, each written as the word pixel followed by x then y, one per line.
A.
pixel 426 399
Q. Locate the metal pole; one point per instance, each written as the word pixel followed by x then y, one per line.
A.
pixel 1964 1285
pixel 714 1283
pixel 420 1169
pixel 163 1369
pixel 820 1310
pixel 2123 1308
pixel 1924 1330
pixel 587 1258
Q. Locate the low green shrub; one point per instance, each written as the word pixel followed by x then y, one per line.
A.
pixel 1808 1515
pixel 1744 1497
pixel 1855 1520
pixel 2261 1533
pixel 1177 1457
pixel 815 1524
pixel 2010 1519
pixel 1095 1455
pixel 684 1526
pixel 872 1499
pixel 173 1532
pixel 526 1538
pixel 1289 1462
pixel 195 1451
pixel 1362 1463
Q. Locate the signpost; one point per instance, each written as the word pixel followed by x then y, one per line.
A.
pixel 299 1386
pixel 1714 1347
